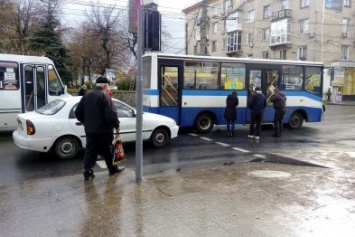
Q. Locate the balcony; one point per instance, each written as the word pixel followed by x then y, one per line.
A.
pixel 283 14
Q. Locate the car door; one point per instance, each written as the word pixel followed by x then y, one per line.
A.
pixel 127 118
pixel 78 127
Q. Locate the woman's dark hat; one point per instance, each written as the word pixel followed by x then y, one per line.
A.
pixel 102 79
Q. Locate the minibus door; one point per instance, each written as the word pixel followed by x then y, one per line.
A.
pixel 267 80
pixel 34 87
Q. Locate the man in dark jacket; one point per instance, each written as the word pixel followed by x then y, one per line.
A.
pixel 230 113
pixel 256 104
pixel 279 100
pixel 96 111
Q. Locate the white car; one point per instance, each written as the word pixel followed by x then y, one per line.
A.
pixel 54 127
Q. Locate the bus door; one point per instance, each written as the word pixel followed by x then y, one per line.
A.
pixel 34 87
pixel 267 80
pixel 169 86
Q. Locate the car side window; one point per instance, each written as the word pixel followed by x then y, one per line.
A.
pixel 123 111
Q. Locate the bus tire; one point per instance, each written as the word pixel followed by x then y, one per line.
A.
pixel 66 147
pixel 160 137
pixel 204 123
pixel 296 120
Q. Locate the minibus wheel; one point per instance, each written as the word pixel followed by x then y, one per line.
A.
pixel 66 147
pixel 204 123
pixel 296 120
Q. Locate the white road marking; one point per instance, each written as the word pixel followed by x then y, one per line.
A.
pixel 101 163
pixel 240 149
pixel 222 144
pixel 260 155
pixel 206 138
pixel 193 134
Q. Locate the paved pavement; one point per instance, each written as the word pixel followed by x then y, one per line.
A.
pixel 234 198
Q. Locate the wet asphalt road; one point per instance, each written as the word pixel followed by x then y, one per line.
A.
pixel 334 134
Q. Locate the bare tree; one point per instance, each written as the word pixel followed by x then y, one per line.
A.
pixel 103 26
pixel 19 20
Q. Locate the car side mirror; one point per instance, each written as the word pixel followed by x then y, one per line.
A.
pixel 133 113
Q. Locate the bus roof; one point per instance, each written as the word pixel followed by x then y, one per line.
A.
pixel 235 60
pixel 25 58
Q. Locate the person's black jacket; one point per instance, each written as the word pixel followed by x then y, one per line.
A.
pixel 82 92
pixel 278 99
pixel 230 112
pixel 257 102
pixel 96 111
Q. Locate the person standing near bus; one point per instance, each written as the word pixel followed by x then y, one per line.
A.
pixel 82 90
pixel 256 104
pixel 279 100
pixel 230 112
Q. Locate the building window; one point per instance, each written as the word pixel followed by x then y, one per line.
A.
pixel 197 33
pixel 284 5
pixel 250 39
pixel 304 26
pixel 280 32
pixel 266 35
pixel 215 27
pixel 346 27
pixel 215 10
pixel 302 53
pixel 195 49
pixel 304 3
pixel 234 41
pixel 283 54
pixel 224 43
pixel 214 46
pixel 267 11
pixel 227 4
pixel 347 3
pixel 344 52
pixel 265 54
pixel 251 16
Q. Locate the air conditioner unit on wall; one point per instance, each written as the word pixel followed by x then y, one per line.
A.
pixel 345 34
pixel 310 34
pixel 251 45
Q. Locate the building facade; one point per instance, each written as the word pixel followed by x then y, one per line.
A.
pixel 312 30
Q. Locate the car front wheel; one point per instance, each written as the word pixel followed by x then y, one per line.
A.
pixel 66 148
pixel 160 137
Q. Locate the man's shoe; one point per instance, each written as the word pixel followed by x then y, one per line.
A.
pixel 250 136
pixel 117 170
pixel 256 137
pixel 89 175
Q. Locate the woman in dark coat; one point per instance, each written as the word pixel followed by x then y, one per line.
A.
pixel 230 113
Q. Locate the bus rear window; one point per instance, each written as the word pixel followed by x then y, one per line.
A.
pixel 9 78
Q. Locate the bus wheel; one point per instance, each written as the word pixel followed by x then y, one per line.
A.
pixel 204 123
pixel 296 120
pixel 160 137
pixel 66 147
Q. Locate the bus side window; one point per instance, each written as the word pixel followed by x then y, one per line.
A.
pixel 54 85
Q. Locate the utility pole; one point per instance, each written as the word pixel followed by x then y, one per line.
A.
pixel 203 28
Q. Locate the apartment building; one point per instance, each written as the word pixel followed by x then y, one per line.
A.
pixel 312 30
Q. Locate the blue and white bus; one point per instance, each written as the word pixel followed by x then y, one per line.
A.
pixel 193 89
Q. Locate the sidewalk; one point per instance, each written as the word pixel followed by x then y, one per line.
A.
pixel 235 199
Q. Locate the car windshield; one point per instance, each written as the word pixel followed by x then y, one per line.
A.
pixel 52 107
